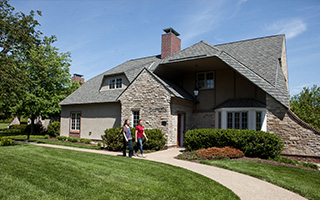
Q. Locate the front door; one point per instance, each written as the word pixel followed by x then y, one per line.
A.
pixel 181 129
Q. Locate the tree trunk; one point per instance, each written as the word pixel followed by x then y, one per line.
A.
pixel 32 127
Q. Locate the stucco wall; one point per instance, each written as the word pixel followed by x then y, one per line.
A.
pixel 297 139
pixel 95 119
pixel 151 98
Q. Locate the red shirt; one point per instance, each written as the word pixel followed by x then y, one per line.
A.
pixel 140 131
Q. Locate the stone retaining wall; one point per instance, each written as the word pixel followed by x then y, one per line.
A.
pixel 298 138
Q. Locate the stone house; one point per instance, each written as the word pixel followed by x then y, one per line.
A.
pixel 238 85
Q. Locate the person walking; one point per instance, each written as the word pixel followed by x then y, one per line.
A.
pixel 127 138
pixel 139 136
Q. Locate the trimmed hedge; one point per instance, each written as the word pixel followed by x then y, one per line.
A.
pixel 253 143
pixel 54 129
pixel 113 139
pixel 5 142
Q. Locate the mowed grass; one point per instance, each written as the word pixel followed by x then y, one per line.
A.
pixel 33 172
pixel 302 181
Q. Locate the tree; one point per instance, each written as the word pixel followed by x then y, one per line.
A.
pixel 17 34
pixel 306 105
pixel 49 81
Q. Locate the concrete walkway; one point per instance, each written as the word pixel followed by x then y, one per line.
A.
pixel 246 187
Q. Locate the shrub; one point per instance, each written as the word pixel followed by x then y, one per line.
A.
pixel 54 129
pixel 20 127
pixel 46 136
pixel 72 139
pixel 5 142
pixel 113 139
pixel 83 140
pixel 252 143
pixel 156 139
pixel 188 155
pixel 62 138
pixel 214 153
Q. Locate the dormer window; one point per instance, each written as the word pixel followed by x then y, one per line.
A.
pixel 205 80
pixel 115 83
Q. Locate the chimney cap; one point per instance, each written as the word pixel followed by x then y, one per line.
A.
pixel 171 30
pixel 77 75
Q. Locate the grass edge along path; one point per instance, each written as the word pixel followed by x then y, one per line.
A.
pixel 29 171
pixel 302 181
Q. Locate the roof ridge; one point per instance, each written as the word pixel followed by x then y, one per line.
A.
pixel 210 45
pixel 246 40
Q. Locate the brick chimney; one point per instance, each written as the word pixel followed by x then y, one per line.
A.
pixel 77 77
pixel 170 43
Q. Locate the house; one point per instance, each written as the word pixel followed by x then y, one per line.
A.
pixel 238 85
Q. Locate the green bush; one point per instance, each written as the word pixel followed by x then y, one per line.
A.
pixel 20 127
pixel 5 142
pixel 54 129
pixel 61 138
pixel 156 139
pixel 72 139
pixel 253 143
pixel 83 140
pixel 113 139
pixel 46 136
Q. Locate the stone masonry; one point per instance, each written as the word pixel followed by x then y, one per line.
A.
pixel 297 136
pixel 152 99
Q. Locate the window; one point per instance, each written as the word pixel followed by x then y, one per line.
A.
pixel 112 83
pixel 258 121
pixel 119 83
pixel 75 121
pixel 135 117
pixel 205 80
pixel 115 83
pixel 237 120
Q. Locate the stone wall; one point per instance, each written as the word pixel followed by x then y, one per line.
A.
pixel 179 106
pixel 151 98
pixel 203 120
pixel 298 138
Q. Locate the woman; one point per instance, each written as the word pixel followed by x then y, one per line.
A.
pixel 139 136
pixel 127 138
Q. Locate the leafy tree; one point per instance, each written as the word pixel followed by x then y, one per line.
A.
pixel 17 34
pixel 306 105
pixel 49 81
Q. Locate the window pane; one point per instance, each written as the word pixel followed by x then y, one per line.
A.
pixel 244 120
pixel 229 120
pixel 112 83
pixel 136 117
pixel 201 81
pixel 73 119
pixel 119 83
pixel 236 120
pixel 78 122
pixel 258 120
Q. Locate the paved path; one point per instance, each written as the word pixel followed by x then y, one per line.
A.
pixel 246 187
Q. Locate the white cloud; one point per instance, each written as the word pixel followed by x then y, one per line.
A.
pixel 290 27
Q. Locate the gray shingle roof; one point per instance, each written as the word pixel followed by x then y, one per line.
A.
pixel 255 59
pixel 241 103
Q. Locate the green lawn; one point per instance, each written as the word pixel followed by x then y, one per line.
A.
pixel 33 172
pixel 302 181
pixel 4 125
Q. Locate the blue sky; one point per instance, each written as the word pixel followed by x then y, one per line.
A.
pixel 104 33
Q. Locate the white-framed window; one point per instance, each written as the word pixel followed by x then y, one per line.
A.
pixel 241 118
pixel 205 80
pixel 237 120
pixel 115 83
pixel 135 117
pixel 75 121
